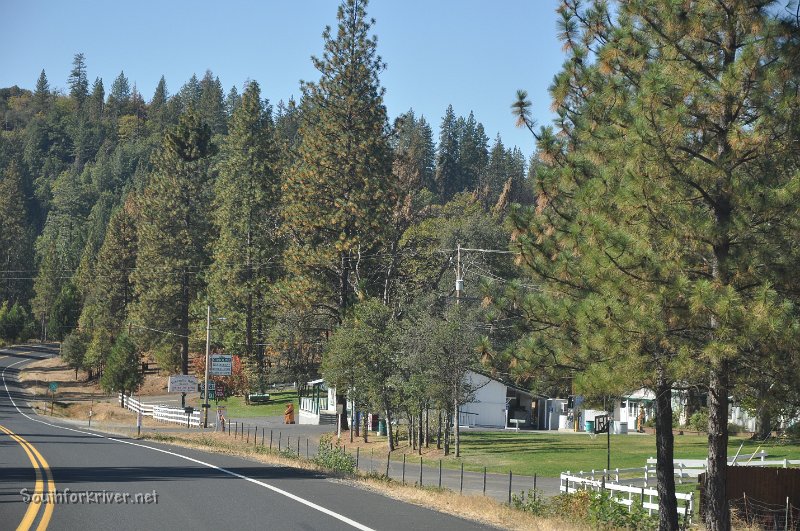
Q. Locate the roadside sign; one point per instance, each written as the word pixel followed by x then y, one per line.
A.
pixel 53 387
pixel 221 364
pixel 211 387
pixel 219 392
pixel 182 383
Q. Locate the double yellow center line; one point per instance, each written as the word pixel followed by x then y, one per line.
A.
pixel 39 498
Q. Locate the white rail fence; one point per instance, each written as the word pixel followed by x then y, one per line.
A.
pixel 175 415
pixel 628 495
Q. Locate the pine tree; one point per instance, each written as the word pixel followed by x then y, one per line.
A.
pixel 211 104
pixel 109 296
pixel 246 216
pixel 672 186
pixel 414 152
pixel 97 101
pixel 173 234
pixel 338 193
pixel 473 154
pixel 42 95
pixel 448 170
pixel 119 99
pixel 16 236
pixel 157 112
pixel 232 101
pixel 78 81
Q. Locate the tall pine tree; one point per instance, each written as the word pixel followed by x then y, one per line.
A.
pixel 339 192
pixel 246 217
pixel 661 235
pixel 173 234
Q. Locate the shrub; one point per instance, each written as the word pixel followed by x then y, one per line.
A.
pixel 532 503
pixel 605 513
pixel 332 456
pixel 699 421
pixel 574 506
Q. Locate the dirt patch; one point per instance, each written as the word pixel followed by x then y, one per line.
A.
pixel 36 378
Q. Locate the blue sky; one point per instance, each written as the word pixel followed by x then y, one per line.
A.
pixel 473 54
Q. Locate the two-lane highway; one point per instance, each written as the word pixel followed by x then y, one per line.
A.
pixel 54 476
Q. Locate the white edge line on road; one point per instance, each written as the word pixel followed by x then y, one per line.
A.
pixel 282 492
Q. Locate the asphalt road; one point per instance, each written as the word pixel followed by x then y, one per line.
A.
pixel 109 482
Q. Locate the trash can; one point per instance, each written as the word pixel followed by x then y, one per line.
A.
pixel 589 426
pixel 381 427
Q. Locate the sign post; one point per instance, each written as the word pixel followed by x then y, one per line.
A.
pixel 601 424
pixel 53 388
pixel 182 383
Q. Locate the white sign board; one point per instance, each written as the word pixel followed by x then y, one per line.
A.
pixel 221 364
pixel 182 383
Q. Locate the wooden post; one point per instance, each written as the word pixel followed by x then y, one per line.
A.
pixel 484 481
pixel 510 477
pixel 461 488
pixel 404 469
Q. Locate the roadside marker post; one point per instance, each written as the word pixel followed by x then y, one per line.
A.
pixel 510 475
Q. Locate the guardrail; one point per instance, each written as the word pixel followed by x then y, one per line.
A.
pixel 628 495
pixel 162 413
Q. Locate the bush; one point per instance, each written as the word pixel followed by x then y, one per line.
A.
pixel 606 513
pixel 332 456
pixel 574 506
pixel 699 421
pixel 532 503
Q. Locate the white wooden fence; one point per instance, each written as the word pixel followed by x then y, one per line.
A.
pixel 175 415
pixel 628 495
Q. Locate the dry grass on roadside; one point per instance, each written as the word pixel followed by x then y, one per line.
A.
pixel 478 508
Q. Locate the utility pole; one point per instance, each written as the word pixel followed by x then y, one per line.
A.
pixel 459 278
pixel 205 383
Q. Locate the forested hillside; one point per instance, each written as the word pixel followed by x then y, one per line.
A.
pixel 124 214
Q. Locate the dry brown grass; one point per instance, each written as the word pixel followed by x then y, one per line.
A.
pixel 479 508
pixel 36 378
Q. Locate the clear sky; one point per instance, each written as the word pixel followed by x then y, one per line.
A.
pixel 473 54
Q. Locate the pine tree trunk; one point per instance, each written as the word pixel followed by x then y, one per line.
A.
pixel 717 513
pixel 184 324
pixel 366 426
pixel 665 469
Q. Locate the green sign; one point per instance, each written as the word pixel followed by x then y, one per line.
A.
pixel 53 387
pixel 211 387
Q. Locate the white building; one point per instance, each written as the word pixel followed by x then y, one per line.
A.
pixel 500 405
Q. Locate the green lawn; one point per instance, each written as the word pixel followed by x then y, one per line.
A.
pixel 236 407
pixel 550 454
